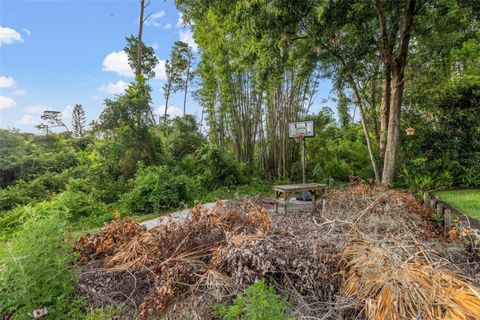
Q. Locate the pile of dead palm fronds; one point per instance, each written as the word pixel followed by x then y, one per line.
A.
pixel 313 257
pixel 110 238
pixel 388 285
pixel 175 256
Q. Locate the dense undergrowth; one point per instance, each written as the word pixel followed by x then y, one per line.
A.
pixel 37 266
pixel 72 173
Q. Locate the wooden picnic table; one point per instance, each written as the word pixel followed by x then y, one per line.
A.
pixel 287 189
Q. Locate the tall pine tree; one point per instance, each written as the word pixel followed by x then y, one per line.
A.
pixel 78 120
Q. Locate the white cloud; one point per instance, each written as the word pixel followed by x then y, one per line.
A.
pixel 6 102
pixel 8 36
pixel 158 15
pixel 28 119
pixel 152 20
pixel 160 70
pixel 172 111
pixel 187 37
pixel 114 88
pixel 168 26
pixel 118 62
pixel 36 109
pixel 27 32
pixel 6 82
pixel 67 112
pixel 180 22
pixel 19 92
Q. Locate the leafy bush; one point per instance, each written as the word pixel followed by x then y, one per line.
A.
pixel 216 168
pixel 257 302
pixel 444 152
pixel 11 220
pixel 183 137
pixel 83 206
pixel 157 188
pixel 335 152
pixel 22 193
pixel 37 265
pixel 41 188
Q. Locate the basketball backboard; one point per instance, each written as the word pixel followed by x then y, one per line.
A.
pixel 301 127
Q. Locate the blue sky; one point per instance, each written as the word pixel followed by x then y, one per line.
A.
pixel 54 54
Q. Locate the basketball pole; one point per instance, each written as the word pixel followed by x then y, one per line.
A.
pixel 303 160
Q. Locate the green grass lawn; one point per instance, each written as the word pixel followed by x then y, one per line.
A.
pixel 468 201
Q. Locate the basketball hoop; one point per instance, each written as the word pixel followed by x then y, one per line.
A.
pixel 299 137
pixel 298 131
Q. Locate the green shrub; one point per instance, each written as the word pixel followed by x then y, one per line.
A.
pixel 335 152
pixel 37 266
pixel 183 137
pixel 22 193
pixel 257 302
pixel 41 188
pixel 83 206
pixel 216 168
pixel 157 188
pixel 11 220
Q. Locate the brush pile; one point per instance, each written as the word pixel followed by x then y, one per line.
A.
pixel 392 281
pixel 339 260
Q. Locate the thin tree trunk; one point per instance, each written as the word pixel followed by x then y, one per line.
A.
pixel 366 131
pixel 166 102
pixel 201 119
pixel 373 110
pixel 186 87
pixel 139 44
pixel 385 107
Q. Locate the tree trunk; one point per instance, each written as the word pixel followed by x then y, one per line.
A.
pixel 166 102
pixel 385 107
pixel 373 109
pixel 186 88
pixel 139 44
pixel 398 83
pixel 393 128
pixel 365 131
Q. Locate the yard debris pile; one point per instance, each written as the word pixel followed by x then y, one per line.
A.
pixel 390 283
pixel 338 259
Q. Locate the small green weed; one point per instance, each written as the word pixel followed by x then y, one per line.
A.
pixel 257 302
pixel 102 314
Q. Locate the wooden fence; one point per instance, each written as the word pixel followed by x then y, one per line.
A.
pixel 467 228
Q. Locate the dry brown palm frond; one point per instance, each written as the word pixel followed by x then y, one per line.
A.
pixel 260 219
pixel 138 252
pixel 239 239
pixel 114 235
pixel 389 287
pixel 197 211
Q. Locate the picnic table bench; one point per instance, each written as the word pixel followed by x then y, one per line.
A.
pixel 287 189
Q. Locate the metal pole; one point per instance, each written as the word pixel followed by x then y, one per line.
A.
pixel 303 160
